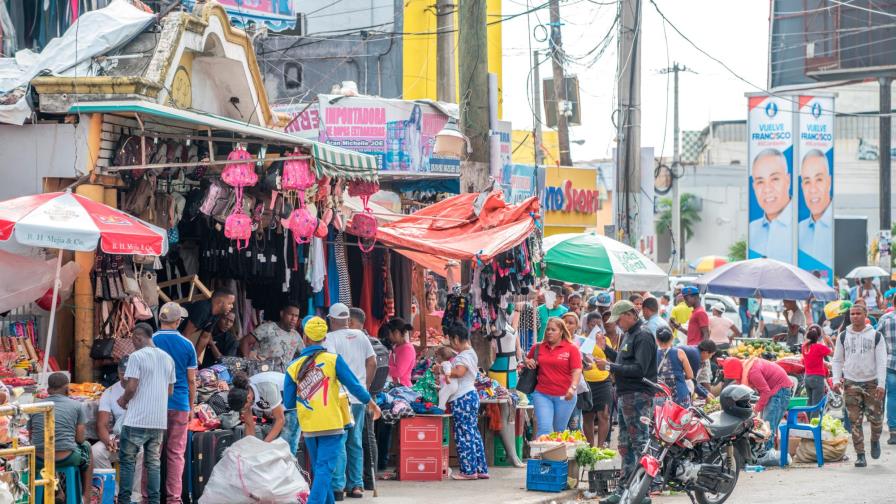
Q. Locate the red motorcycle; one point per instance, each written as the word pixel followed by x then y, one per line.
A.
pixel 692 452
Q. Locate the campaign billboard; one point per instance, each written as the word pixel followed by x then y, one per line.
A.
pixel 815 208
pixel 277 15
pixel 770 154
pixel 399 133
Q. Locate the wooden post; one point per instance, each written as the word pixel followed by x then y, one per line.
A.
pixel 83 295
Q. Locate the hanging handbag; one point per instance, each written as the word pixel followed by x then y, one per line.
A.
pixel 141 309
pixel 363 225
pixel 528 378
pixel 129 280
pixel 149 291
pixel 297 175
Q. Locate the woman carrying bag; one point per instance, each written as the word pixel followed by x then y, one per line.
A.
pixel 558 364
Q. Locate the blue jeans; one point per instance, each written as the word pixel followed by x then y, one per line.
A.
pixel 551 412
pixel 774 411
pixel 291 431
pixel 350 464
pixel 891 400
pixel 323 451
pixel 132 439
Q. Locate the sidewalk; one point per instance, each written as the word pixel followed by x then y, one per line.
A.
pixel 507 485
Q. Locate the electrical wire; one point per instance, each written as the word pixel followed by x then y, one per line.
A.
pixel 866 9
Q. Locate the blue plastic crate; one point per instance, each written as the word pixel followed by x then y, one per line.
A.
pixel 546 475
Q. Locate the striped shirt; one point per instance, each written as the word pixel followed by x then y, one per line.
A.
pixel 155 371
pixel 887 327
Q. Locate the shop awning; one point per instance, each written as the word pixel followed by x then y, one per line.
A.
pixel 331 161
pixel 450 229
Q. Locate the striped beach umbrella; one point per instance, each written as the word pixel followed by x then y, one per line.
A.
pixel 708 263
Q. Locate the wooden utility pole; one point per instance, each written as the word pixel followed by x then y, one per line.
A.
pixel 536 108
pixel 628 121
pixel 560 97
pixel 473 64
pixel 677 239
pixel 446 86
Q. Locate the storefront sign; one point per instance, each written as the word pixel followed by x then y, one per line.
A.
pixel 519 182
pixel 277 15
pixel 770 152
pixel 566 198
pixel 816 186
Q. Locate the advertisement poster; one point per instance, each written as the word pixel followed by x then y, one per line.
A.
pixel 399 133
pixel 816 186
pixel 277 15
pixel 770 155
pixel 519 181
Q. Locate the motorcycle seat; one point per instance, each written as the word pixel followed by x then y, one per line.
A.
pixel 726 425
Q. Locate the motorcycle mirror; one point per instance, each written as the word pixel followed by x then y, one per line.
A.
pixel 645 420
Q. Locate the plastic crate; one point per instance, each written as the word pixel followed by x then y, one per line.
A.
pixel 423 465
pixel 424 432
pixel 546 475
pixel 501 458
pixel 603 481
pixel 798 402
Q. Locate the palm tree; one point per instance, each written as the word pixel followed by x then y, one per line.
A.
pixel 689 217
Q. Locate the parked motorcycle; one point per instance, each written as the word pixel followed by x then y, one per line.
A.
pixel 693 453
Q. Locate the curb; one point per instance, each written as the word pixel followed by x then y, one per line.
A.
pixel 564 497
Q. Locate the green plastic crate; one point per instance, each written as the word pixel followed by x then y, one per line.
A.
pixel 501 458
pixel 797 402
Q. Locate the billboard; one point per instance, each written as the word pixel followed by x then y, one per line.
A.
pixel 277 15
pixel 519 182
pixel 815 212
pixel 771 232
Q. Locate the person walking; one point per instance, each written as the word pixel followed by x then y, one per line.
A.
pixel 355 349
pixel 559 366
pixel 183 398
pixel 150 378
pixel 814 351
pixel 860 370
pixel 312 387
pixel 887 327
pixel 634 361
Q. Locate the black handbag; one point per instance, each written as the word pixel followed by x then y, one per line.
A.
pixel 528 378
pixel 102 348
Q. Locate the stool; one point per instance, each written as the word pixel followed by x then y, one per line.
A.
pixel 72 486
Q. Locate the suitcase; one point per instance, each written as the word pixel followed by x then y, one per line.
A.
pixel 208 448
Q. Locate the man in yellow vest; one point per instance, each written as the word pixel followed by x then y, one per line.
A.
pixel 311 387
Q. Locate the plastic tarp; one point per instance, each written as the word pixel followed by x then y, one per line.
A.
pixel 453 229
pixel 252 470
pixel 25 279
pixel 93 34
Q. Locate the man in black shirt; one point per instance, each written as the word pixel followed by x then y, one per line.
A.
pixel 634 360
pixel 219 343
pixel 203 315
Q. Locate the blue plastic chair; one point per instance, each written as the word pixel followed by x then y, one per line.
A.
pixel 792 424
pixel 72 486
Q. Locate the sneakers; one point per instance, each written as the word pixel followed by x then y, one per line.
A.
pixel 875 449
pixel 860 460
pixel 892 440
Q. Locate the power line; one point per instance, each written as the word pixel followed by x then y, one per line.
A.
pixel 862 8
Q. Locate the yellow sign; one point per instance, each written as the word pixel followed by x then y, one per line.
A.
pixel 571 200
pixel 523 147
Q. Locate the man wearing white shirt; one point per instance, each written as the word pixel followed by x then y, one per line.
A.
pixel 816 231
pixel 770 235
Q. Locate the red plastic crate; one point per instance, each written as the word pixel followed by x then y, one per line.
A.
pixel 423 465
pixel 422 433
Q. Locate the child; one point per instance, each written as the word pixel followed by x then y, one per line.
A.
pixel 447 387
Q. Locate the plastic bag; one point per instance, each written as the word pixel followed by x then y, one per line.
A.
pixel 252 470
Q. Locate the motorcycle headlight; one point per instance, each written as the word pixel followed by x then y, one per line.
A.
pixel 668 433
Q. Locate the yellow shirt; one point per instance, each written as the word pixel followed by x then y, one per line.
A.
pixel 594 374
pixel 681 313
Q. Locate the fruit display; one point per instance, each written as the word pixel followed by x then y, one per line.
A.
pixel 566 436
pixel 588 456
pixel 759 348
pixel 712 405
pixel 830 424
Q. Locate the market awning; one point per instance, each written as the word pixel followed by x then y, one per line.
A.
pixel 331 161
pixel 450 229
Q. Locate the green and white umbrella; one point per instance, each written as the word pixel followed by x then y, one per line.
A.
pixel 595 260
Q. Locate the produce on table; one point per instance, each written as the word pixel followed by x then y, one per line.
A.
pixel 566 436
pixel 830 424
pixel 759 348
pixel 589 456
pixel 712 405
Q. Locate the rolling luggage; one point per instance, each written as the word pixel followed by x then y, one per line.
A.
pixel 208 448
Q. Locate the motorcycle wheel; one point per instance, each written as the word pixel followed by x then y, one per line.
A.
pixel 733 459
pixel 638 487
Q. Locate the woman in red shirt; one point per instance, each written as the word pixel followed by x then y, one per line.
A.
pixel 814 353
pixel 559 364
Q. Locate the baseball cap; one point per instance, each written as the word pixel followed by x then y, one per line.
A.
pixel 338 311
pixel 690 290
pixel 619 308
pixel 316 329
pixel 172 312
pixel 719 307
pixel 601 299
pixel 733 369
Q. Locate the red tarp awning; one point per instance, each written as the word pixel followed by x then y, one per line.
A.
pixel 450 229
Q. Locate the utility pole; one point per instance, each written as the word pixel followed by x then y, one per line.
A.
pixel 446 86
pixel 473 63
pixel 677 240
pixel 536 109
pixel 628 121
pixel 886 108
pixel 560 97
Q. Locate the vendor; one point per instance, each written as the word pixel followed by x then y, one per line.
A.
pixel 108 429
pixel 278 342
pixel 770 381
pixel 218 343
pixel 260 396
pixel 203 315
pixel 403 356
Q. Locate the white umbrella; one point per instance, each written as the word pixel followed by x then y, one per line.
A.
pixel 867 272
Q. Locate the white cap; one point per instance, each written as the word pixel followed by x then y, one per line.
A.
pixel 338 311
pixel 719 307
